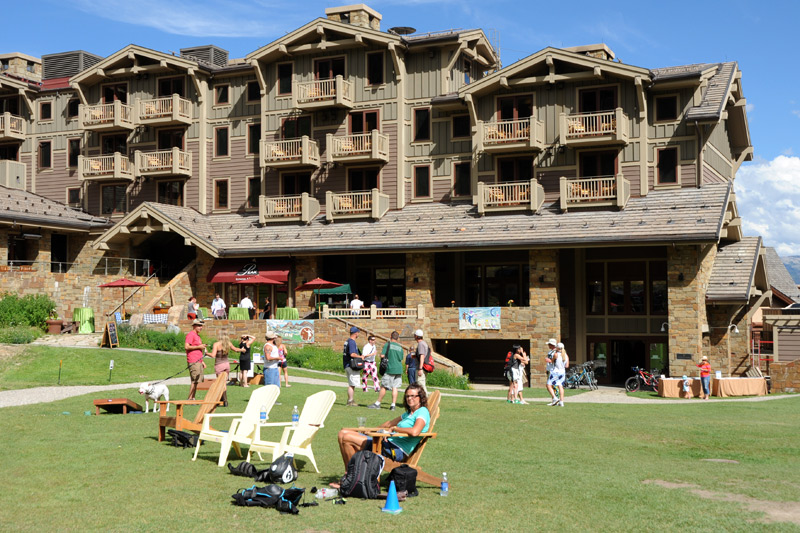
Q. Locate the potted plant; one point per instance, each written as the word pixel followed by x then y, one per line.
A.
pixel 53 323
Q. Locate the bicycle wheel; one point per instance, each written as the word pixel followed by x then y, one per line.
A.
pixel 632 384
pixel 593 381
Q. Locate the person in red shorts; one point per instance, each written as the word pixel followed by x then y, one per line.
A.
pixel 705 377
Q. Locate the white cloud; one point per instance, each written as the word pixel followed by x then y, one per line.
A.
pixel 224 18
pixel 768 196
pixel 750 107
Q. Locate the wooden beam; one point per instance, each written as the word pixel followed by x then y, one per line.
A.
pixel 551 78
pixel 597 73
pixel 282 49
pixel 124 229
pixel 504 82
pixel 534 80
pixel 396 61
pixel 262 83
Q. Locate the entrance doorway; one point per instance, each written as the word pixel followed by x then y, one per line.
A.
pixel 483 360
pixel 615 357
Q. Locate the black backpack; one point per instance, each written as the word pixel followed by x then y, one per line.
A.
pixel 282 469
pixel 345 356
pixel 285 500
pixel 405 479
pixel 362 479
pixel 182 439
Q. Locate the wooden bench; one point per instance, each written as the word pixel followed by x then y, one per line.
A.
pixel 116 405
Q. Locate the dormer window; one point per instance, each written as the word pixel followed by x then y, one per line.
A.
pixel 666 108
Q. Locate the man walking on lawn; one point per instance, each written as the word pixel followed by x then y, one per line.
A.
pixel 194 355
pixel 353 376
pixel 393 378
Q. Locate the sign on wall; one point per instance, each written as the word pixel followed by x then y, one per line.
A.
pixel 478 318
pixel 293 331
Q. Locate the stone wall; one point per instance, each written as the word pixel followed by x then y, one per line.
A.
pixel 688 271
pixel 785 376
pixel 306 268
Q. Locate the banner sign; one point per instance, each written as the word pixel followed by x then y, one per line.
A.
pixel 293 331
pixel 478 318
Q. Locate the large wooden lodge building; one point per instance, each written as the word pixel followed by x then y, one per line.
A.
pixel 589 199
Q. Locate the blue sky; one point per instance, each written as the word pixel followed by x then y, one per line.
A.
pixel 761 36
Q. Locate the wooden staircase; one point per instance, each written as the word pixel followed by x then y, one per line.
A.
pixel 169 289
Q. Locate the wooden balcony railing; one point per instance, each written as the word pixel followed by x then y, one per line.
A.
pixel 510 135
pixel 165 110
pixel 594 191
pixel 374 313
pixel 113 166
pixel 285 208
pixel 604 127
pixel 13 174
pixel 302 151
pixel 322 93
pixel 164 162
pixel 373 204
pixel 517 195
pixel 372 146
pixel 107 116
pixel 12 126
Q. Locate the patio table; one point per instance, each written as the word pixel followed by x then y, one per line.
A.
pixel 287 313
pixel 85 316
pixel 723 387
pixel 238 313
pixel 673 388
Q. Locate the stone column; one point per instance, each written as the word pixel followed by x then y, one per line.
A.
pixel 688 271
pixel 420 283
pixel 305 269
pixel 545 307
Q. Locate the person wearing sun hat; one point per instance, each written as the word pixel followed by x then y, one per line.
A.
pixel 705 377
pixel 195 350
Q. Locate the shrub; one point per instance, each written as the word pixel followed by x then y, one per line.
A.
pixel 31 310
pixel 19 334
pixel 150 339
pixel 316 358
pixel 444 379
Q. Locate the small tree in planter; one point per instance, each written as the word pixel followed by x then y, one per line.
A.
pixel 53 323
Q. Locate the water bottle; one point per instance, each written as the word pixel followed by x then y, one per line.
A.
pixel 295 416
pixel 445 485
pixel 262 415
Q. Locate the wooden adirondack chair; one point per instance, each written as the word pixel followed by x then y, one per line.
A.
pixel 207 405
pixel 243 425
pixel 312 418
pixel 413 459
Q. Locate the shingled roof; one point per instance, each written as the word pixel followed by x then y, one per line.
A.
pixel 715 95
pixel 688 215
pixel 779 276
pixel 733 271
pixel 29 209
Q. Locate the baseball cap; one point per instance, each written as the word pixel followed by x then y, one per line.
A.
pixel 198 322
pixel 354 329
pixel 418 333
pixel 270 335
pixel 552 341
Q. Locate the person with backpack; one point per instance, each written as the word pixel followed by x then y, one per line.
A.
pixel 392 379
pixel 353 364
pixel 424 359
pixel 509 374
pixel 407 427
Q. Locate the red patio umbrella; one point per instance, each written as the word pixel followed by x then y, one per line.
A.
pixel 124 282
pixel 316 284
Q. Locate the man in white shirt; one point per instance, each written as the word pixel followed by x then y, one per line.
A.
pixel 218 307
pixel 247 303
pixel 356 305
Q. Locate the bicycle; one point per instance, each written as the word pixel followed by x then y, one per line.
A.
pixel 582 374
pixel 642 378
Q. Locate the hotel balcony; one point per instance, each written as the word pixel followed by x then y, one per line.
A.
pixel 168 111
pixel 105 167
pixel 12 127
pixel 512 196
pixel 290 153
pixel 107 117
pixel 172 162
pixel 594 191
pixel 605 128
pixel 363 204
pixel 303 208
pixel 360 148
pixel 336 92
pixel 509 136
pixel 12 174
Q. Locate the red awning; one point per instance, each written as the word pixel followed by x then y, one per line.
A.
pixel 230 270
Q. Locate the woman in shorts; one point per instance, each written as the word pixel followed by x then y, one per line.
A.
pixel 245 343
pixel 283 366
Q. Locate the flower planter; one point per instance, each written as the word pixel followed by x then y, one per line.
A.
pixel 53 326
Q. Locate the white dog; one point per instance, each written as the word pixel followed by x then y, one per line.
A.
pixel 154 391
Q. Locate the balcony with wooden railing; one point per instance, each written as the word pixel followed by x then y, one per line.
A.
pixel 12 127
pixel 362 147
pixel 166 111
pixel 604 128
pixel 361 204
pixel 290 153
pixel 106 117
pixel 594 191
pixel 174 162
pixel 509 136
pixel 114 166
pixel 13 174
pixel 511 196
pixel 303 208
pixel 335 92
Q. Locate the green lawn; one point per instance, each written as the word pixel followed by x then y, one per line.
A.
pixel 520 468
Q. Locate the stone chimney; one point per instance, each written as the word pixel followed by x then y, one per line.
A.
pixel 357 15
pixel 598 51
pixel 21 66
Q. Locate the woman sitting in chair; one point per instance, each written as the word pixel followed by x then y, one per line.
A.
pixel 414 421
